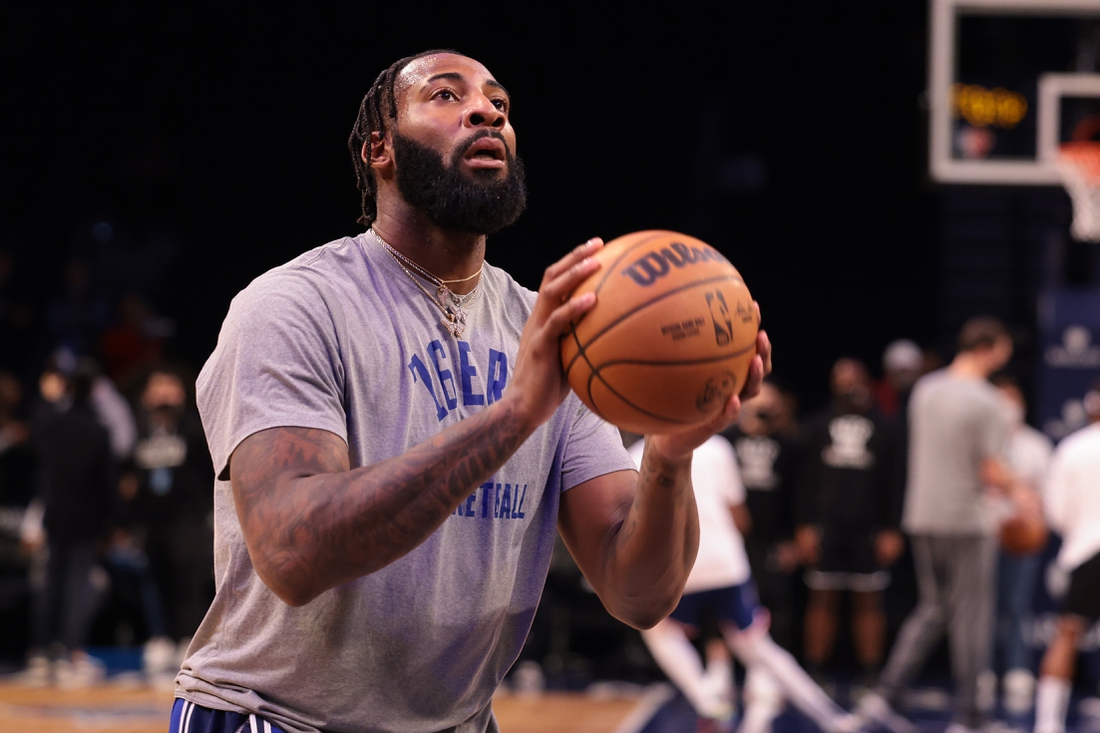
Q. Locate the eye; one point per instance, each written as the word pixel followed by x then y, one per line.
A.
pixel 501 104
pixel 446 95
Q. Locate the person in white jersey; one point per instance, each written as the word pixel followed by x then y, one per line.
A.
pixel 1072 507
pixel 721 583
pixel 1028 456
pixel 396 446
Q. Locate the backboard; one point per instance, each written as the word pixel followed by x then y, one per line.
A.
pixel 1009 81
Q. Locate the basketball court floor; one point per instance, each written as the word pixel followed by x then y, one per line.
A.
pixel 124 705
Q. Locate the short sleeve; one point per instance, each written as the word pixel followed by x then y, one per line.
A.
pixel 726 462
pixel 594 448
pixel 277 364
pixel 995 431
pixel 1057 490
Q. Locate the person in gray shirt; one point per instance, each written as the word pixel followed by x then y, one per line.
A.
pixel 396 445
pixel 958 435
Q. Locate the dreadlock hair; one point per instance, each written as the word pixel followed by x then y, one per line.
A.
pixel 377 107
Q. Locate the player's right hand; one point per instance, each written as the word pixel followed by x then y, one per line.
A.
pixel 538 384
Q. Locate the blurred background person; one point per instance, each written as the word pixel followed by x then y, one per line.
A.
pixel 765 451
pixel 902 366
pixel 720 584
pixel 174 507
pixel 77 487
pixel 110 407
pixel 848 509
pixel 1028 456
pixel 958 436
pixel 1072 504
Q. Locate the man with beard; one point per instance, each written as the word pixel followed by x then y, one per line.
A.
pixel 395 445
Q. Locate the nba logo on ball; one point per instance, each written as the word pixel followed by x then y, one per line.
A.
pixel 670 338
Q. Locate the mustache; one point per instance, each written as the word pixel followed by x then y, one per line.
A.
pixel 495 134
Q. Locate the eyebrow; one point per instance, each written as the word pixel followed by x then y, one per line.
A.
pixel 455 76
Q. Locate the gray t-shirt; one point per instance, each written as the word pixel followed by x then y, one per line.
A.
pixel 954 424
pixel 343 340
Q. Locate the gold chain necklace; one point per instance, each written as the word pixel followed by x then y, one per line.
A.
pixel 452 306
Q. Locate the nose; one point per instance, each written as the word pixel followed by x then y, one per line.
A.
pixel 482 113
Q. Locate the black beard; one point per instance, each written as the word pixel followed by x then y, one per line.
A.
pixel 480 204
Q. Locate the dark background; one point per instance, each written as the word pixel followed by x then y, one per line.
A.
pixel 212 138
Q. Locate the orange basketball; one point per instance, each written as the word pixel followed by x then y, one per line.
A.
pixel 1023 534
pixel 670 338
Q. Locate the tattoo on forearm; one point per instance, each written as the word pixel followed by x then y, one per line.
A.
pixel 313 523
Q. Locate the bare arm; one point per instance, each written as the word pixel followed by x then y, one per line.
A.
pixel 741 519
pixel 635 539
pixel 995 474
pixel 635 536
pixel 311 524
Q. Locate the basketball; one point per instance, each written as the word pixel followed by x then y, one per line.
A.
pixel 670 338
pixel 1023 534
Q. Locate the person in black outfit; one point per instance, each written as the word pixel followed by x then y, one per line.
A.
pixel 174 501
pixel 765 458
pixel 848 509
pixel 77 490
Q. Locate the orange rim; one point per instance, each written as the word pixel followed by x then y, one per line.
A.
pixel 1083 155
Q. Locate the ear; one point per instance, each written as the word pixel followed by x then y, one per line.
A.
pixel 378 153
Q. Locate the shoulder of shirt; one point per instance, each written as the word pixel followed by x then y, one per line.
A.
pixel 508 285
pixel 1087 439
pixel 716 443
pixel 928 379
pixel 314 266
pixel 1036 437
pixel 943 378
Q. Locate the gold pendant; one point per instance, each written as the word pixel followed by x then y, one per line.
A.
pixel 455 321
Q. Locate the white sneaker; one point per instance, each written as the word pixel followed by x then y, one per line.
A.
pixel 158 657
pixel 528 678
pixel 873 708
pixel 959 728
pixel 37 672
pixel 1019 692
pixel 81 673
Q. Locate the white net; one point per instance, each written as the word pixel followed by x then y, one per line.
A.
pixel 1079 164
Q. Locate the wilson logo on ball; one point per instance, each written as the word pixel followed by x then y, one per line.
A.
pixel 652 266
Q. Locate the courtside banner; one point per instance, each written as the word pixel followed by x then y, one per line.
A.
pixel 1069 358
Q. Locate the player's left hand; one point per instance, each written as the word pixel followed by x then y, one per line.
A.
pixel 761 365
pixel 678 445
pixel 888 546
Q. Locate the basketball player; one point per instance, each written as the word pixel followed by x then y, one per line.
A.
pixel 958 435
pixel 1072 506
pixel 395 446
pixel 721 584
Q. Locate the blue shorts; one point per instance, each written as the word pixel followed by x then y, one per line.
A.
pixel 736 603
pixel 187 717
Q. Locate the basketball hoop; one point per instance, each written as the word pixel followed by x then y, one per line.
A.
pixel 1079 164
